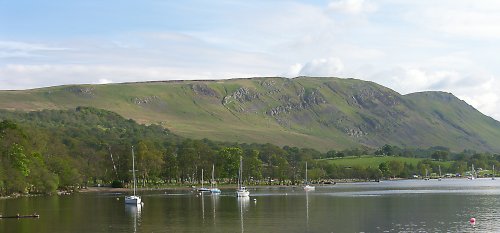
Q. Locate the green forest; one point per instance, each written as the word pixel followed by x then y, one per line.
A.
pixel 50 150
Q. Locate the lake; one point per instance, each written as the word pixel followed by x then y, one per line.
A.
pixel 389 206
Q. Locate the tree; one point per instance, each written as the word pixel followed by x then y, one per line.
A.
pixel 170 165
pixel 41 179
pixel 19 159
pixel 374 173
pixel 440 155
pixel 396 167
pixel 253 165
pixel 230 159
pixel 331 153
pixel 316 174
pixel 186 158
pixel 149 160
pixel 384 168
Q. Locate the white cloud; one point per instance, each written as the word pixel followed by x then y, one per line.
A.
pixel 23 46
pixel 12 49
pixel 15 77
pixel 104 81
pixel 324 67
pixel 294 70
pixel 411 79
pixel 352 6
pixel 477 19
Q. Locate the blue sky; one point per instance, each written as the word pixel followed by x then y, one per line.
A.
pixel 409 46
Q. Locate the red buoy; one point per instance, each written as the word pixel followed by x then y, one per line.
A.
pixel 472 221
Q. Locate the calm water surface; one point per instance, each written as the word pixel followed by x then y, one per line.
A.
pixel 391 206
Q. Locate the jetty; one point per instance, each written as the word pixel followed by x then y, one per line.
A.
pixel 21 216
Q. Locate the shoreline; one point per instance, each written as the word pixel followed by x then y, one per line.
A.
pixel 104 189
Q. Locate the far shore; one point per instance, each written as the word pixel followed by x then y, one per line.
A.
pixel 108 189
pixel 233 186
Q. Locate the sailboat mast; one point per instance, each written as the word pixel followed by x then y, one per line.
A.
pixel 212 182
pixel 202 178
pixel 239 173
pixel 306 172
pixel 133 168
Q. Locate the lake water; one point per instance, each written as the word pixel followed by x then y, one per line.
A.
pixel 389 206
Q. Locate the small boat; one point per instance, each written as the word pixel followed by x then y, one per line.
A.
pixel 134 199
pixel 472 172
pixel 439 173
pixel 203 189
pixel 493 175
pixel 308 187
pixel 242 190
pixel 213 186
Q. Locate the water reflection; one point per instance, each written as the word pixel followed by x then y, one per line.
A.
pixel 243 203
pixel 392 206
pixel 307 211
pixel 215 203
pixel 134 211
pixel 202 195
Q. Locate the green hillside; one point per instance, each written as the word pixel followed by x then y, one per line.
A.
pixel 321 113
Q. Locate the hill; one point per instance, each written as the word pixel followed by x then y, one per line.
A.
pixel 321 113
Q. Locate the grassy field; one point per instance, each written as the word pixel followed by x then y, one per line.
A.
pixel 372 161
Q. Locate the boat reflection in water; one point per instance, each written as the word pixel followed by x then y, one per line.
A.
pixel 243 203
pixel 134 211
pixel 215 203
pixel 307 211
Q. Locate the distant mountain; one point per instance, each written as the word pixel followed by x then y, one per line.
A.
pixel 321 113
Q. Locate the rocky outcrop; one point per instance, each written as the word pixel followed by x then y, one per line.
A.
pixel 145 100
pixel 202 89
pixel 241 95
pixel 306 100
pixel 82 91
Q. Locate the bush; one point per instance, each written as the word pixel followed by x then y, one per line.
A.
pixel 117 184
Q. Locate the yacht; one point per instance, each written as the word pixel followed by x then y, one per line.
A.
pixel 242 190
pixel 308 187
pixel 134 199
pixel 203 189
pixel 213 185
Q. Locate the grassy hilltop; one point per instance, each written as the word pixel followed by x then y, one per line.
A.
pixel 321 113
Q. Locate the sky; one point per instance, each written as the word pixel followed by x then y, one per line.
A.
pixel 406 45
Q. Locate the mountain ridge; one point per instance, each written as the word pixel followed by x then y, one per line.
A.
pixel 318 112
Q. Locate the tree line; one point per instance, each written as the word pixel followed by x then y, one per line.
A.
pixel 43 151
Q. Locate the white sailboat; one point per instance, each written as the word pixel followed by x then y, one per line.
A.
pixel 242 190
pixel 439 173
pixel 472 173
pixel 134 199
pixel 203 189
pixel 308 187
pixel 493 176
pixel 213 186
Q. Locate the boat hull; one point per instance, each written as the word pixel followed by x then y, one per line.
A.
pixel 133 200
pixel 215 191
pixel 309 188
pixel 242 193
